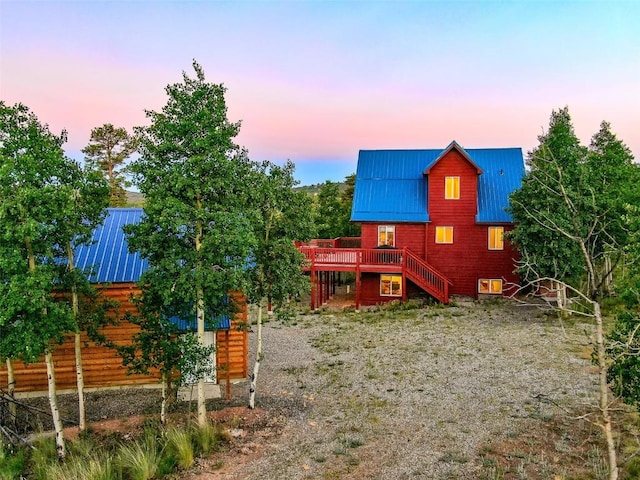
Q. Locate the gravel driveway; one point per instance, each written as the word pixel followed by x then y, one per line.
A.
pixel 405 394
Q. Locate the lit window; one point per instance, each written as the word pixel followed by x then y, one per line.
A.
pixel 451 188
pixel 490 285
pixel 496 241
pixel 391 285
pixel 444 234
pixel 386 235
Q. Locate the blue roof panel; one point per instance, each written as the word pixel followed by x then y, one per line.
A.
pixel 391 186
pixel 107 258
pixel 219 323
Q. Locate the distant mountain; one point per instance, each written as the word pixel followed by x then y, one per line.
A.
pixel 314 189
pixel 135 199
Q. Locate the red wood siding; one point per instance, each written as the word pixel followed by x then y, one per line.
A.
pixel 469 257
pixel 466 260
pixel 407 235
pixel 103 367
pixel 371 290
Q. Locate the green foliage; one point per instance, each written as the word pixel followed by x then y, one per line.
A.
pixel 159 345
pixel 12 462
pixel 196 230
pixel 569 212
pixel 141 460
pixel 207 438
pixel 346 199
pixel 538 204
pixel 333 210
pixel 623 349
pixel 109 147
pixel 179 445
pixel 283 216
pixel 37 192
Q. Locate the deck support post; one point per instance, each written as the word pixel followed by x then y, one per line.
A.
pixel 358 283
pixel 327 286
pixel 404 274
pixel 313 288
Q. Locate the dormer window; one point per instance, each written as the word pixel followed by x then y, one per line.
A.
pixel 451 188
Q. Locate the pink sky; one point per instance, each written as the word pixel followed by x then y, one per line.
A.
pixel 315 82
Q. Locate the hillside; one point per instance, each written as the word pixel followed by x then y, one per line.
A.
pixel 136 199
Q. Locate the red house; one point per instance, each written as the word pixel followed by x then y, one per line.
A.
pixel 432 221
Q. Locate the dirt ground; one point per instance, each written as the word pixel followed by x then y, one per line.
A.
pixel 476 390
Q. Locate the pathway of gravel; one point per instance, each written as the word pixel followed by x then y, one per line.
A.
pixel 414 393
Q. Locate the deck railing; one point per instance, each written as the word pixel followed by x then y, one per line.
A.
pixel 351 256
pixel 413 267
pixel 426 277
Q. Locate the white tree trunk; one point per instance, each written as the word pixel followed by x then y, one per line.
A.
pixel 604 394
pixel 82 416
pixel 561 298
pixel 163 404
pixel 53 403
pixel 202 406
pixel 256 365
pixel 11 380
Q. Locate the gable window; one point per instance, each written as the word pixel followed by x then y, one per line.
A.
pixel 452 188
pixel 490 286
pixel 496 241
pixel 391 285
pixel 386 236
pixel 444 234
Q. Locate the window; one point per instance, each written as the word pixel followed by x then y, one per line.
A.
pixel 391 285
pixel 496 241
pixel 452 188
pixel 444 234
pixel 386 235
pixel 490 285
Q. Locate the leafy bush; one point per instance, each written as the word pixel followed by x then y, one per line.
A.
pixel 207 438
pixel 12 462
pixel 180 447
pixel 140 460
pixel 623 348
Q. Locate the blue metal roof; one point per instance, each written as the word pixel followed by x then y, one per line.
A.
pixel 391 185
pixel 221 322
pixel 108 257
pixel 108 260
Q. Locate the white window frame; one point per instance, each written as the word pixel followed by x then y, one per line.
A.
pixel 491 284
pixel 444 227
pixel 490 236
pixel 390 279
pixel 386 229
pixel 456 191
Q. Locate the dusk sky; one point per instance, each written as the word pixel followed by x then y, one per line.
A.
pixel 315 82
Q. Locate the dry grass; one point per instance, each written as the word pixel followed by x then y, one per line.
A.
pixel 471 391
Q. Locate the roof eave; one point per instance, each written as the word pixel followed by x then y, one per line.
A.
pixel 462 151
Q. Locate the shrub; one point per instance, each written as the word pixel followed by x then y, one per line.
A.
pixel 12 462
pixel 140 460
pixel 180 447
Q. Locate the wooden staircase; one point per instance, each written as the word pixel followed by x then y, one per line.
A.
pixel 412 267
pixel 426 277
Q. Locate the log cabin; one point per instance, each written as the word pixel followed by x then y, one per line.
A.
pixel 433 223
pixel 116 271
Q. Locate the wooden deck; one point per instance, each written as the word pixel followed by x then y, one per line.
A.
pixel 358 260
